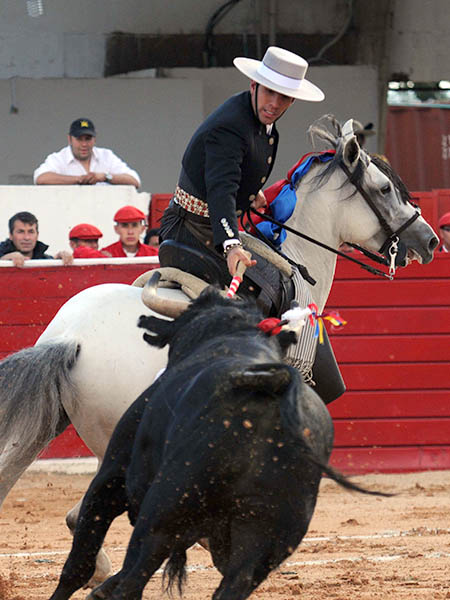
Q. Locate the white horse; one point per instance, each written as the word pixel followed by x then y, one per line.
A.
pixel 91 362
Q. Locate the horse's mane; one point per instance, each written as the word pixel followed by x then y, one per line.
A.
pixel 327 130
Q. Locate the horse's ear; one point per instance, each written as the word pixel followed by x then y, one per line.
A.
pixel 352 150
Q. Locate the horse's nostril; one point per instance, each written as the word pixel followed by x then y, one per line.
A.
pixel 434 242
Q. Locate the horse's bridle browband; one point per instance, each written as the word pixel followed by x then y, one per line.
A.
pixel 392 241
pixel 390 245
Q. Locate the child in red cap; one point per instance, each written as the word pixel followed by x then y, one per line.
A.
pixel 444 232
pixel 83 240
pixel 130 225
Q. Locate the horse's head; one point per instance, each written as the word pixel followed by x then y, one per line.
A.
pixel 378 212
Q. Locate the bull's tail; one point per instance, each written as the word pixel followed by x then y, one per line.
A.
pixel 293 420
pixel 175 571
pixel 33 383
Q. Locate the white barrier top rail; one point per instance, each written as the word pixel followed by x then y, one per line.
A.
pixel 83 262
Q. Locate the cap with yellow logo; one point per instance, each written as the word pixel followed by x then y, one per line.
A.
pixel 82 127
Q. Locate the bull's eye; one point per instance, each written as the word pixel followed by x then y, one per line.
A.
pixel 385 190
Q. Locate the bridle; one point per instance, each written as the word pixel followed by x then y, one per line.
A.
pixel 392 247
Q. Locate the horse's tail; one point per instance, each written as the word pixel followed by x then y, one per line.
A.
pixel 33 383
pixel 293 420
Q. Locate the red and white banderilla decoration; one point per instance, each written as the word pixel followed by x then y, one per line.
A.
pixel 237 279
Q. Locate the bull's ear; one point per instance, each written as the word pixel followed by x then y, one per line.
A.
pixel 161 330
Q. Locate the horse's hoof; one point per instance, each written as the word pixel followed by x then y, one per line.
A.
pixel 204 543
pixel 103 570
pixel 95 595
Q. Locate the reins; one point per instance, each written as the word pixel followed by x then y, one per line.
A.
pixel 302 268
pixel 390 245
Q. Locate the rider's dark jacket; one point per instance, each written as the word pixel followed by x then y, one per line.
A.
pixel 227 162
pixel 39 250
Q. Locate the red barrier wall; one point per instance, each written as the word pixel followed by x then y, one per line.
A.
pixel 394 354
pixel 29 300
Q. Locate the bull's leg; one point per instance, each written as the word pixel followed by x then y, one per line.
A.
pixel 103 567
pixel 104 500
pixel 161 524
pixel 253 555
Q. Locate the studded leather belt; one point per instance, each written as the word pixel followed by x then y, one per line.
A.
pixel 190 203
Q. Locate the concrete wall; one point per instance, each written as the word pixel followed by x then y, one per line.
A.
pixel 68 40
pixel 148 122
pixel 420 43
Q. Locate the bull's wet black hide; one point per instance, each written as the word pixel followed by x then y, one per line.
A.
pixel 228 444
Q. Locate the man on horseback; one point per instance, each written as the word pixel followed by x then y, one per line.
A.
pixel 230 157
pixel 226 163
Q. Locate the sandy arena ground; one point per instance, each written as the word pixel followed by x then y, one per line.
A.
pixel 356 547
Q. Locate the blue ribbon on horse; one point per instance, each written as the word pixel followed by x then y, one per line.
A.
pixel 283 205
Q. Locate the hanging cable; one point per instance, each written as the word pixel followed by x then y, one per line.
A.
pixel 209 51
pixel 337 37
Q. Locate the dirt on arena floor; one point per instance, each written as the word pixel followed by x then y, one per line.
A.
pixel 357 546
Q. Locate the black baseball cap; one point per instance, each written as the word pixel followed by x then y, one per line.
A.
pixel 82 127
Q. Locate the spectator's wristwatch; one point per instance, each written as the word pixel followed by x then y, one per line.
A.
pixel 108 178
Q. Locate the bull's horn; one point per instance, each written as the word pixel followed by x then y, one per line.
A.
pixel 191 285
pixel 163 306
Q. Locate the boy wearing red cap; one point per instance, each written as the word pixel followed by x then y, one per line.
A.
pixel 130 225
pixel 83 240
pixel 444 232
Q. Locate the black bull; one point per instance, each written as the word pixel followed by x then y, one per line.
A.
pixel 228 444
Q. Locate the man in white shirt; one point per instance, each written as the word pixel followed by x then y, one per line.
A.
pixel 82 163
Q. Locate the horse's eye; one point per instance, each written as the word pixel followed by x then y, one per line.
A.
pixel 386 189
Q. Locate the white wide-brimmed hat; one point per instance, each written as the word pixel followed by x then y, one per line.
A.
pixel 281 71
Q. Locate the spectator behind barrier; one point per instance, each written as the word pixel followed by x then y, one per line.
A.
pixel 152 237
pixel 83 240
pixel 444 232
pixel 129 226
pixel 23 243
pixel 82 163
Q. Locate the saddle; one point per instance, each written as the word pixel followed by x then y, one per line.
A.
pixel 272 288
pixel 273 293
